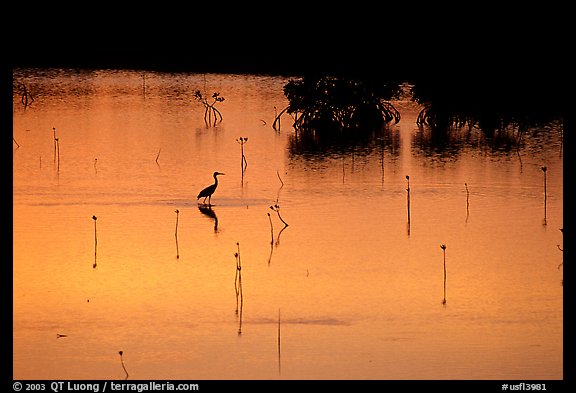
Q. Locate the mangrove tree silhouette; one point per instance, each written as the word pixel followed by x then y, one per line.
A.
pixel 328 105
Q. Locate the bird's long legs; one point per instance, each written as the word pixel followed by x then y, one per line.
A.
pixel 204 200
pixel 209 200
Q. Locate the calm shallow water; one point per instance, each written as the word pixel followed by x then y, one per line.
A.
pixel 359 292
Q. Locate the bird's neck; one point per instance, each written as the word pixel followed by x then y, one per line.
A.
pixel 215 180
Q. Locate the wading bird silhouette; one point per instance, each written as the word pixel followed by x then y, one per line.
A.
pixel 208 191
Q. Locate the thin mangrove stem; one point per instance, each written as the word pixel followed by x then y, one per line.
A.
pixel 238 287
pixel 276 208
pixel 271 229
pixel 95 242
pixel 158 155
pixel 271 239
pixel 216 112
pixel 176 235
pixel 277 118
pixel 122 361
pixel 545 193
pixel 55 140
pixel 58 153
pixel 243 161
pixel 238 283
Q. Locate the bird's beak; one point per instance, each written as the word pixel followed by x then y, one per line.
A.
pixel 220 173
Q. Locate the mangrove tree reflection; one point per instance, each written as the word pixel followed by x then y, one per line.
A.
pixel 494 106
pixel 385 140
pixel 446 143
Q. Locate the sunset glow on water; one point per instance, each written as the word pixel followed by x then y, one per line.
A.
pixel 360 292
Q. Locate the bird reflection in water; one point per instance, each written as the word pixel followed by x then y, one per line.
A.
pixel 209 212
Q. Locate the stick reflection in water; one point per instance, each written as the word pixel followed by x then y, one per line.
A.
pixel 443 247
pixel 467 202
pixel 279 364
pixel 408 203
pixel 176 234
pixel 276 208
